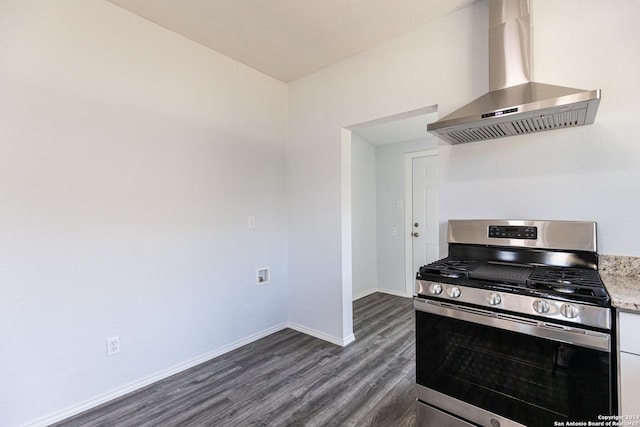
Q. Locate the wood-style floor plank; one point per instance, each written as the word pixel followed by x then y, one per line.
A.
pixel 288 379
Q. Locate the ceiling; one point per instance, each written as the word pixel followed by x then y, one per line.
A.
pixel 288 39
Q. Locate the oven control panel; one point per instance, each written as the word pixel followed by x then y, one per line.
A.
pixel 513 232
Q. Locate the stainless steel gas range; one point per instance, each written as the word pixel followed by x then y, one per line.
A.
pixel 514 327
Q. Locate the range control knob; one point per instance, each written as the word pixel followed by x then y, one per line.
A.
pixel 494 299
pixel 435 288
pixel 453 291
pixel 569 311
pixel 541 306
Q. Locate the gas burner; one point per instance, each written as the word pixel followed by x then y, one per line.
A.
pixel 564 289
pixel 451 274
pixel 564 286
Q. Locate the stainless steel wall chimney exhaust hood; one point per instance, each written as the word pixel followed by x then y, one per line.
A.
pixel 515 105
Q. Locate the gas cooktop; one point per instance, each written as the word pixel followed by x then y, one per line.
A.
pixel 580 284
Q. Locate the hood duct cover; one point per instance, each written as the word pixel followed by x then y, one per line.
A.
pixel 515 105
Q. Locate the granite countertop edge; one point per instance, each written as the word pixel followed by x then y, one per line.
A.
pixel 621 278
pixel 624 291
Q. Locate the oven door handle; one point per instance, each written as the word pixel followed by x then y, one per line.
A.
pixel 570 335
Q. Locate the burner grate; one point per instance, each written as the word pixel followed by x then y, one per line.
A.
pixel 448 267
pixel 567 280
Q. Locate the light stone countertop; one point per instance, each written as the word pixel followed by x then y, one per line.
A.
pixel 624 291
pixel 621 277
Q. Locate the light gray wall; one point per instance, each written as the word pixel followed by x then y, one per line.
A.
pixel 130 160
pixel 364 217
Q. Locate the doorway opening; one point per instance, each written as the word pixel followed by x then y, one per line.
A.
pixel 382 155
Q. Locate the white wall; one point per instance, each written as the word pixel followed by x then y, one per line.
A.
pixel 584 173
pixel 130 159
pixel 403 75
pixel 364 217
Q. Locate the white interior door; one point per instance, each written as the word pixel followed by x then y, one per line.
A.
pixel 424 223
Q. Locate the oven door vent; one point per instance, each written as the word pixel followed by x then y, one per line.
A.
pixel 517 319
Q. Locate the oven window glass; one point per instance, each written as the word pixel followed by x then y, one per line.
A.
pixel 531 380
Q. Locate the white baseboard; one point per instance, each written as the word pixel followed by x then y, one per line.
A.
pixel 394 292
pixel 381 290
pixel 326 337
pixel 364 294
pixel 143 382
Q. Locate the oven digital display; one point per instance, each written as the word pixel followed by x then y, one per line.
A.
pixel 513 232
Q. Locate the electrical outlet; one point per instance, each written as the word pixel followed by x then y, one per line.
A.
pixel 113 345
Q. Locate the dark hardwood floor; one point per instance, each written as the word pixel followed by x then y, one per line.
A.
pixel 288 379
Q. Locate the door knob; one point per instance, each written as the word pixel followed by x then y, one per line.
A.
pixel 416 234
pixel 415 224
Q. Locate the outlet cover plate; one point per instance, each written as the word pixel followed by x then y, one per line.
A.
pixel 113 345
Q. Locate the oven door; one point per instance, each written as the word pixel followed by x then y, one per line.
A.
pixel 494 369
